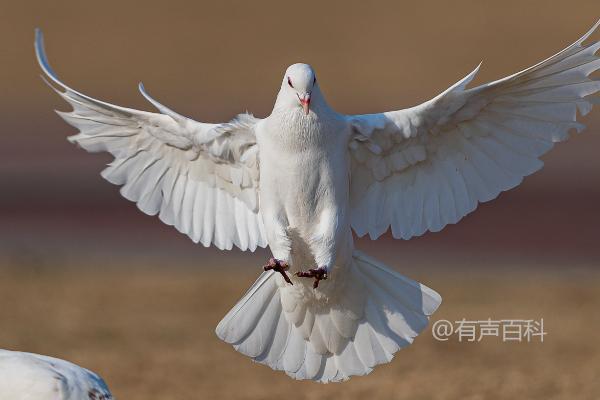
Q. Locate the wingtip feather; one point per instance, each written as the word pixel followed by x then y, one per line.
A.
pixel 160 107
pixel 42 58
pixel 589 33
pixel 462 84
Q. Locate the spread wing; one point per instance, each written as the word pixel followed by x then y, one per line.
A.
pixel 201 178
pixel 419 169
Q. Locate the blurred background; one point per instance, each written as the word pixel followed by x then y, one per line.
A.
pixel 86 276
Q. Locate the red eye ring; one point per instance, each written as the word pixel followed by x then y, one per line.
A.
pixel 290 82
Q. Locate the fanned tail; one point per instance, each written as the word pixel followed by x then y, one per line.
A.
pixel 346 329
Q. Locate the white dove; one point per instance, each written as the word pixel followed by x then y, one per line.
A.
pixel 303 178
pixel 27 376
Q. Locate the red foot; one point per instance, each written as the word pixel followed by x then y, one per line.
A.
pixel 320 274
pixel 278 266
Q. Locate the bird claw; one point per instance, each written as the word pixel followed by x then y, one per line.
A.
pixel 278 266
pixel 319 274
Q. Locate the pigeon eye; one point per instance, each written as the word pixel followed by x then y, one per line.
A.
pixel 290 82
pixel 314 80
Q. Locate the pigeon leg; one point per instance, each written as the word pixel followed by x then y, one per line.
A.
pixel 319 274
pixel 278 266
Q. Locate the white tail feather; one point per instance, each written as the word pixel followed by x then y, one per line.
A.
pixel 374 313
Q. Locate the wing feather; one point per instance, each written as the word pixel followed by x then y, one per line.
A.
pixel 191 174
pixel 422 168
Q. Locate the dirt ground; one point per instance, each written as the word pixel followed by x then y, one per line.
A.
pixel 150 334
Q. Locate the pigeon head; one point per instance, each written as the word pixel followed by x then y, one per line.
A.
pixel 298 84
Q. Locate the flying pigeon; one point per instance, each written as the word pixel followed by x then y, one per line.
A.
pixel 27 376
pixel 304 178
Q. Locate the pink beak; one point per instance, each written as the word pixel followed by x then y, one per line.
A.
pixel 305 101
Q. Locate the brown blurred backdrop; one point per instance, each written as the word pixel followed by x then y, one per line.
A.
pixel 211 60
pixel 143 327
